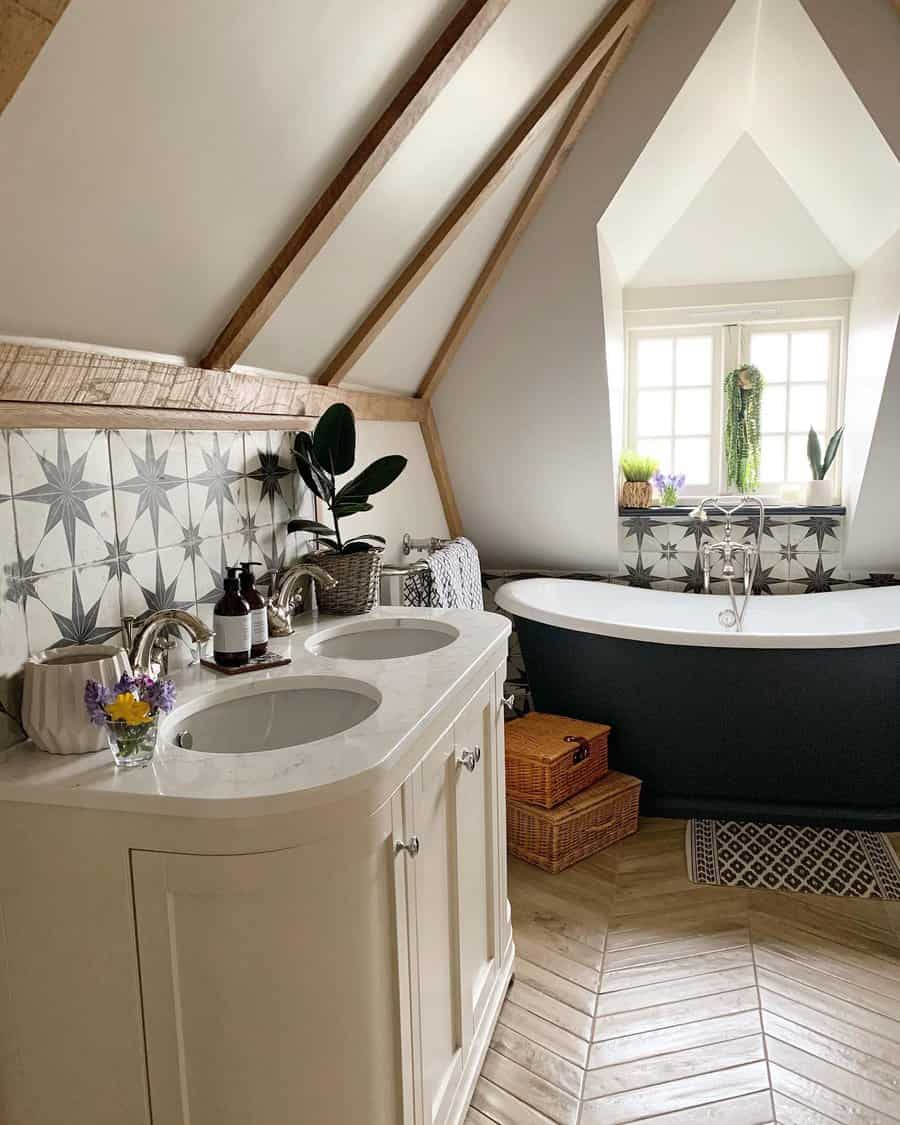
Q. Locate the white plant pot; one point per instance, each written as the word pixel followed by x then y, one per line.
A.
pixel 819 493
pixel 53 711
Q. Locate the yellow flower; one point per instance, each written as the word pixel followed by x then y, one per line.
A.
pixel 125 708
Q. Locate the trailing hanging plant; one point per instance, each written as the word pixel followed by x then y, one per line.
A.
pixel 743 398
pixel 325 454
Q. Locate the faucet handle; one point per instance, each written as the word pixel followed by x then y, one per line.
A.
pixel 129 632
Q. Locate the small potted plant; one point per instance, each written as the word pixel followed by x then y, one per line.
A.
pixel 129 711
pixel 321 457
pixel 819 491
pixel 668 486
pixel 637 492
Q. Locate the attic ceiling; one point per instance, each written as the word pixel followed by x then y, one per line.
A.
pixel 768 86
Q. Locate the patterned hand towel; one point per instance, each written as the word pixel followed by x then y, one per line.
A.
pixel 452 580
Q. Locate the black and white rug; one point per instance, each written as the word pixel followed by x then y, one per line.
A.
pixel 786 857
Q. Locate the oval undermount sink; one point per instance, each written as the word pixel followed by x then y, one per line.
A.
pixel 382 639
pixel 288 712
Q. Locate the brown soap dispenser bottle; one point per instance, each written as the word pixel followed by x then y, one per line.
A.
pixel 231 622
pixel 259 621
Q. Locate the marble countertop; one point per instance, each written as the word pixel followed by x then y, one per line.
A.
pixel 192 783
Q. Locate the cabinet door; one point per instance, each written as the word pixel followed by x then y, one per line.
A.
pixel 478 855
pixel 504 920
pixel 270 983
pixel 431 792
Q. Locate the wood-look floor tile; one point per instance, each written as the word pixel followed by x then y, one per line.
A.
pixel 749 1109
pixel 708 984
pixel 551 984
pixel 583 924
pixel 684 1093
pixel 789 1112
pixel 834 1024
pixel 700 1033
pixel 476 1117
pixel 538 1059
pixel 851 1086
pixel 530 947
pixel 648 954
pixel 549 1009
pixel 671 1015
pixel 546 1034
pixel 679 968
pixel 504 1109
pixel 529 928
pixel 837 957
pixel 830 1104
pixel 827 983
pixel 672 1066
pixel 853 1014
pixel 541 1095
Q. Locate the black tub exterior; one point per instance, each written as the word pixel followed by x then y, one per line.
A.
pixel 797 735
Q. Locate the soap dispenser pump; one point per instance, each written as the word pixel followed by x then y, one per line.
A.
pixel 259 618
pixel 232 625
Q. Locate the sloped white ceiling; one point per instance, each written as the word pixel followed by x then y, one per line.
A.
pixel 744 225
pixel 446 150
pixel 159 152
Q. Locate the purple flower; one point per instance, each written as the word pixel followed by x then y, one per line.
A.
pixel 659 480
pixel 160 694
pixel 96 696
pixel 127 683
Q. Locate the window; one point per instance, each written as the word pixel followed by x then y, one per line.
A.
pixel 675 388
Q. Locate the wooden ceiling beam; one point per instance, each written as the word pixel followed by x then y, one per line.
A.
pixel 439 468
pixel 24 29
pixel 58 380
pixel 452 47
pixel 566 81
pixel 551 165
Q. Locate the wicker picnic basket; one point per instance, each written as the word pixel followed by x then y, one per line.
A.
pixel 550 758
pixel 554 839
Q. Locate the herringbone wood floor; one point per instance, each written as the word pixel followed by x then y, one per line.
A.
pixel 641 997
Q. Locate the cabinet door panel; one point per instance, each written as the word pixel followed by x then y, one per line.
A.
pixel 434 873
pixel 504 921
pixel 476 821
pixel 270 984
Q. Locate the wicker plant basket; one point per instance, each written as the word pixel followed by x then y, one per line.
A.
pixel 550 758
pixel 637 494
pixel 358 577
pixel 554 839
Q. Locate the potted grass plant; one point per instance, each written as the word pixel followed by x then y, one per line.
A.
pixel 322 456
pixel 819 491
pixel 637 491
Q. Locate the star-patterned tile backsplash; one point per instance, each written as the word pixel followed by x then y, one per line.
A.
pixel 96 525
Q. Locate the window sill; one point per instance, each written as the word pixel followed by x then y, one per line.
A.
pixel 681 511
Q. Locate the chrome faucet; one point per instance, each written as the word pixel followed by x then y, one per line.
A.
pixel 289 593
pixel 147 645
pixel 734 555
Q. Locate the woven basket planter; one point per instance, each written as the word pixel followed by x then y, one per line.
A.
pixel 358 577
pixel 637 494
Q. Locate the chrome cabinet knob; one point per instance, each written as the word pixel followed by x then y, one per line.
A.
pixel 508 701
pixel 470 758
pixel 411 847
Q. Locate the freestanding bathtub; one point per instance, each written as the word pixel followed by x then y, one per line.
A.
pixel 796 719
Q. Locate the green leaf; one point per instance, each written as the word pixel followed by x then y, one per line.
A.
pixel 355 547
pixel 831 450
pixel 350 508
pixel 334 439
pixel 310 471
pixel 331 544
pixel 360 538
pixel 814 453
pixel 310 525
pixel 375 478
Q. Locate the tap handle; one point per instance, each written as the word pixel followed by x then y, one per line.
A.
pixel 129 632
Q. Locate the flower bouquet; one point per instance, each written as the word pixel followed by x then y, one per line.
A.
pixel 130 711
pixel 668 486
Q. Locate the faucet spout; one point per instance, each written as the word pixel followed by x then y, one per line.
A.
pixel 289 591
pixel 145 647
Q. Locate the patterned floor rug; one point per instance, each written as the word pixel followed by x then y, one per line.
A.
pixel 785 857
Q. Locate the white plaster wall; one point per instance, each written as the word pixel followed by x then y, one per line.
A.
pixel 524 411
pixel 614 329
pixel 872 437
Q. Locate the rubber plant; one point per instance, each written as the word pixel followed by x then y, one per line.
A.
pixel 324 455
pixel 743 398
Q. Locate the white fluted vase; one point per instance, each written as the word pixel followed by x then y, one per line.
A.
pixel 53 711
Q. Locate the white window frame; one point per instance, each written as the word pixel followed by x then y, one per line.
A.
pixel 730 328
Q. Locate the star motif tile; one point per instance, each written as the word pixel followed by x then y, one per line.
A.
pixel 217 488
pixel 814 532
pixel 820 579
pixel 149 473
pixel 78 606
pixel 158 580
pixel 271 476
pixel 63 497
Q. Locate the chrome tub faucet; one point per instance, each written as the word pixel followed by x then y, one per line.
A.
pixel 737 558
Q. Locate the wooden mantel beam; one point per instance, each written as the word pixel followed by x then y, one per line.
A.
pixel 551 165
pixel 566 81
pixel 25 27
pixel 452 47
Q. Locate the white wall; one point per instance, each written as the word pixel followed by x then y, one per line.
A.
pixel 524 412
pixel 412 503
pixel 872 437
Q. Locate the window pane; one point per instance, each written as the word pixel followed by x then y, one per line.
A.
pixel 692 412
pixel 659 448
pixel 693 360
pixel 772 459
pixel 810 356
pixel 768 352
pixel 692 459
pixel 798 463
pixel 654 362
pixel 654 413
pixel 773 411
pixel 809 407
